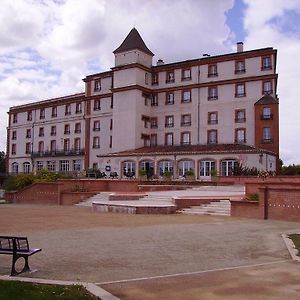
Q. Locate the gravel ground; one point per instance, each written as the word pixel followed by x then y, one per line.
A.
pixel 79 244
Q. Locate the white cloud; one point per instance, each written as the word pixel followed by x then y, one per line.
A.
pixel 264 23
pixel 47 47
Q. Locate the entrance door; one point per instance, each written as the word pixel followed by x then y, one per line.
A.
pixel 206 166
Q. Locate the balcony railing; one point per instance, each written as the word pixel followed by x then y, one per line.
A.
pixel 169 125
pixel 267 141
pixel 240 120
pixel 186 123
pixel 56 153
pixel 266 117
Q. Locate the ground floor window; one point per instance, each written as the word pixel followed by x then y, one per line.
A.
pixel 76 165
pixel 51 165
pixel 64 166
pixel 15 168
pixel 26 167
pixel 227 167
pixel 39 165
pixel 206 167
pixel 165 166
pixel 185 166
pixel 147 166
pixel 128 168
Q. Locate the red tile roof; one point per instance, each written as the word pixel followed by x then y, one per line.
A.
pixel 189 149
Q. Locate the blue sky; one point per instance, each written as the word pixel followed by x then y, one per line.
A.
pixel 45 52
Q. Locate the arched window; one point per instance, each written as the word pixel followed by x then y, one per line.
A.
pixel 165 166
pixel 15 168
pixel 26 167
pixel 206 167
pixel 185 166
pixel 227 166
pixel 128 168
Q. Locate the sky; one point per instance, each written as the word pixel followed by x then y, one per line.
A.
pixel 48 46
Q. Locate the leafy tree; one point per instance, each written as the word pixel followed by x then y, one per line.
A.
pixel 2 162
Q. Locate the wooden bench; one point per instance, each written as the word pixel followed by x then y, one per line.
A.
pixel 17 247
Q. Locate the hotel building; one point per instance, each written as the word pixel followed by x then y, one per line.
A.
pixel 195 115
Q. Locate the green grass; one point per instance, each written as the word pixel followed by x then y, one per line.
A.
pixel 296 240
pixel 17 290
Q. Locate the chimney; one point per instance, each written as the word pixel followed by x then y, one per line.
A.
pixel 160 62
pixel 239 46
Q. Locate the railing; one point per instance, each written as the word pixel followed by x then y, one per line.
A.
pixel 267 141
pixel 240 120
pixel 56 153
pixel 266 117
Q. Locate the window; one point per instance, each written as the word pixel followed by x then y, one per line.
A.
pixel 97 105
pixel 41 131
pixel 78 108
pixel 28 133
pixel 165 166
pixel 212 118
pixel 76 165
pixel 227 167
pixel 154 78
pixel 186 74
pixel 15 168
pixel 186 120
pixel 212 137
pixel 40 165
pixel 53 131
pixel 68 109
pixel 240 116
pixel 53 146
pixel 153 140
pixel 266 115
pixel 153 122
pixel 170 77
pixel 169 121
pixel 51 165
pixel 267 87
pixel 27 148
pixel 77 127
pixel 240 136
pixel 206 167
pixel 26 167
pixel 13 148
pixel 212 71
pixel 15 118
pixel 266 63
pixel 67 129
pixel 77 144
pixel 186 96
pixel 169 139
pixel 146 78
pixel 42 113
pixel 64 166
pixel 14 135
pixel 54 112
pixel 240 90
pixel 66 145
pixel 97 86
pixel 41 147
pixel 185 138
pixel 29 115
pixel 96 126
pixel 169 98
pixel 184 166
pixel 212 93
pixel 240 67
pixel 154 100
pixel 267 135
pixel 96 142
pixel 128 168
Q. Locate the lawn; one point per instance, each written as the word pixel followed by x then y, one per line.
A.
pixel 30 291
pixel 295 237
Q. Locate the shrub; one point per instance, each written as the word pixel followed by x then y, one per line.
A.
pixel 189 173
pixel 253 197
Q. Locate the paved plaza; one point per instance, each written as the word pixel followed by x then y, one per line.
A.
pixel 104 248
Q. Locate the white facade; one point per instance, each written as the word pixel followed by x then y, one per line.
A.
pixel 207 101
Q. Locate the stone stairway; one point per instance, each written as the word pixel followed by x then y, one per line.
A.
pixel 103 196
pixel 157 197
pixel 220 208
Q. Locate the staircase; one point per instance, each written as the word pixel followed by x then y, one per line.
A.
pixel 157 197
pixel 103 196
pixel 220 208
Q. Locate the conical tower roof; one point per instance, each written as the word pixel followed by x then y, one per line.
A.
pixel 133 41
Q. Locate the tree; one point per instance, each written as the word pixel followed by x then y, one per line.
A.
pixel 2 162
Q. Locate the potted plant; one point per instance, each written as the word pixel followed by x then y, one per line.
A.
pixel 142 174
pixel 190 175
pixel 167 175
pixel 213 175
